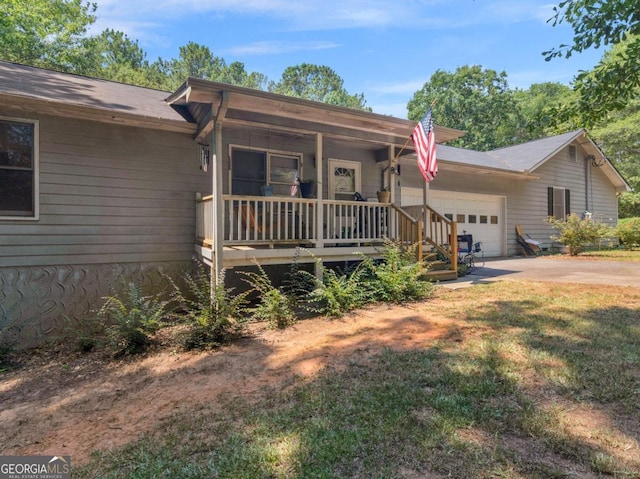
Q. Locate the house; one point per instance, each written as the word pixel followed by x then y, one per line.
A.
pixel 489 193
pixel 101 181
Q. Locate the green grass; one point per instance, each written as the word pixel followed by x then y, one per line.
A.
pixel 533 381
pixel 617 254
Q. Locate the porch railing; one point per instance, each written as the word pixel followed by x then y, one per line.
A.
pixel 269 220
pixel 254 220
pixel 355 222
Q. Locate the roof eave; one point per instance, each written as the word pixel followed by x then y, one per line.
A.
pixel 198 91
pixel 86 112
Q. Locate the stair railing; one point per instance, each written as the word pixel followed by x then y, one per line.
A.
pixel 408 230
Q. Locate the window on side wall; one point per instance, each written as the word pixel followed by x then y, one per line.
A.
pixel 18 169
pixel 558 203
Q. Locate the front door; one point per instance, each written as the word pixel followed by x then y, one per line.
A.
pixel 345 179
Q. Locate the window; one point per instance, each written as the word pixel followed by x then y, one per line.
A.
pixel 460 218
pixel 558 203
pixel 573 154
pixel 251 169
pixel 18 168
pixel 472 219
pixel 483 219
pixel 494 220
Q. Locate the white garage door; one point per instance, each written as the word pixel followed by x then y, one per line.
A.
pixel 479 215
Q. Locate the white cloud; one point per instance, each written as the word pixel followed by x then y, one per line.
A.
pixel 403 88
pixel 276 47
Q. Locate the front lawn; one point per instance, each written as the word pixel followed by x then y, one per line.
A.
pixel 528 380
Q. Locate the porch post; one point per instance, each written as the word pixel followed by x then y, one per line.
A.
pixel 218 204
pixel 319 203
pixel 392 189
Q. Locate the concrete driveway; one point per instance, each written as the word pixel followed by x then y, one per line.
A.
pixel 556 270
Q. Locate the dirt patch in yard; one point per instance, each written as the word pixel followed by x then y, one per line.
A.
pixel 62 402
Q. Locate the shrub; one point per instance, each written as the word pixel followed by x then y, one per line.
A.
pixel 399 277
pixel 339 291
pixel 629 232
pixel 212 317
pixel 132 320
pixel 274 306
pixel 577 233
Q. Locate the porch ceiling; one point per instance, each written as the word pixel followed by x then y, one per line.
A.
pixel 197 100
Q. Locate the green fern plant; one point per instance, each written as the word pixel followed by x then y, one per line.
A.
pixel 213 317
pixel 132 320
pixel 340 291
pixel 273 306
pixel 399 277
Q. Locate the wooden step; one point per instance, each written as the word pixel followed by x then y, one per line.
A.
pixel 437 265
pixel 441 275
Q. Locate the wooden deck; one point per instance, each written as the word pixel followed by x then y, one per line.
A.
pixel 268 229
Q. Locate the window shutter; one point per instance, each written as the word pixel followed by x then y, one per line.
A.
pixel 567 203
pixel 550 201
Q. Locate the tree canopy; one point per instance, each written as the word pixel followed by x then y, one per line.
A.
pixel 53 34
pixel 46 33
pixel 616 78
pixel 473 99
pixel 317 82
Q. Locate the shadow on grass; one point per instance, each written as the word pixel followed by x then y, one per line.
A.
pixel 493 403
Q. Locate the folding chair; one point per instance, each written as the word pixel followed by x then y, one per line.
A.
pixel 530 246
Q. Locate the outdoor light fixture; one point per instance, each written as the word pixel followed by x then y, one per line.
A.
pixel 204 157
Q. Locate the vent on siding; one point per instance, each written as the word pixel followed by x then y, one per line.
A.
pixel 573 154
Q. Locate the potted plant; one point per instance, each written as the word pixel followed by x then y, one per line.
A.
pixel 308 188
pixel 384 195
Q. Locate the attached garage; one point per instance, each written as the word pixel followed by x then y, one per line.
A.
pixel 482 216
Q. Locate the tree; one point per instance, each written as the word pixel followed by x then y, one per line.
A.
pixel 46 33
pixel 236 74
pixel 198 61
pixel 614 80
pixel 472 99
pixel 619 138
pixel 319 83
pixel 532 104
pixel 119 58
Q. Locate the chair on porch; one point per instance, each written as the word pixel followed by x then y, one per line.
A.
pixel 250 222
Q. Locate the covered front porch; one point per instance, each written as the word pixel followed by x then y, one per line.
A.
pixel 256 145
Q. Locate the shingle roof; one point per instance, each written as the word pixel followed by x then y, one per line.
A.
pixel 519 158
pixel 82 91
pixel 527 156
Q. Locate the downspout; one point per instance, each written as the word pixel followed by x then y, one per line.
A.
pixel 586 182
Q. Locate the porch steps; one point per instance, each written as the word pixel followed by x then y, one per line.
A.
pixel 438 270
pixel 441 275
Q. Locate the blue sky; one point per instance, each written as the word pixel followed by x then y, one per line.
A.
pixel 385 49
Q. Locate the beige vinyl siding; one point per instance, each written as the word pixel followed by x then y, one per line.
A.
pixel 108 194
pixel 528 207
pixel 526 199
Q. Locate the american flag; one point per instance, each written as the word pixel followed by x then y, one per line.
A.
pixel 424 140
